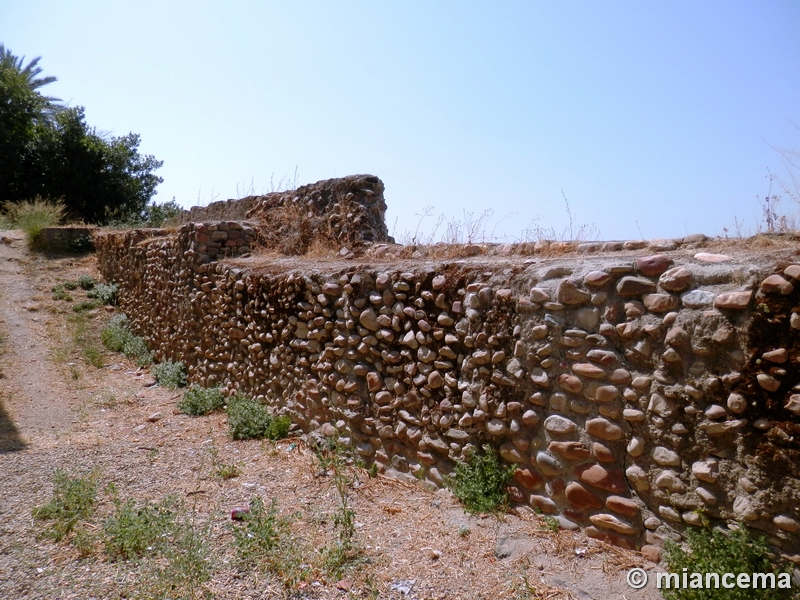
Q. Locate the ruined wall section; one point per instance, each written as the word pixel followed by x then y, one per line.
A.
pixel 635 396
pixel 344 213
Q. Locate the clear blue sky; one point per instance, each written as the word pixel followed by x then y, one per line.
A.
pixel 656 113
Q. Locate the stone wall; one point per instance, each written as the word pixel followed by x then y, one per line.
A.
pixel 635 394
pixel 340 214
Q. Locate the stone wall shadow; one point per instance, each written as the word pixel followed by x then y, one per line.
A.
pixel 10 440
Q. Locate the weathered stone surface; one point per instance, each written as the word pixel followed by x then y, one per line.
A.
pixel 778 356
pixel 539 295
pixel 669 513
pixel 588 370
pixel 660 303
pixel 528 479
pixel 548 464
pixel 604 478
pixel 558 425
pixel 666 457
pixel 712 258
pixel 638 478
pixel 653 266
pixel 607 521
pixel 597 278
pixel 792 271
pixel 777 285
pixel 670 480
pixel 697 299
pixel 737 403
pixel 496 427
pixel 570 294
pixel 706 470
pixel 768 382
pixel 544 504
pixel 793 404
pixel 636 446
pixel 603 453
pixel 786 522
pixel 676 337
pixel 570 383
pixel 706 496
pixel 571 450
pixel 581 498
pixel 608 537
pixel 369 320
pixel 733 300
pixel 603 429
pixel 744 509
pixel 676 280
pixel 635 286
pixel 623 506
pixel 715 412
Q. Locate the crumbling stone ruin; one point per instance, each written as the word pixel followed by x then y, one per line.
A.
pixel 637 389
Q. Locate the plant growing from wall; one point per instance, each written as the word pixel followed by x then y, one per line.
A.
pixel 480 482
pixel 711 550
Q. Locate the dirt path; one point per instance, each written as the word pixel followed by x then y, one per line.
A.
pixel 37 404
pixel 57 411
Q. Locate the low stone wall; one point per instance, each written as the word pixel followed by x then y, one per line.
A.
pixel 635 395
pixel 342 214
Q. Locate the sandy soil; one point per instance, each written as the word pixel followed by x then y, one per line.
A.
pixel 59 411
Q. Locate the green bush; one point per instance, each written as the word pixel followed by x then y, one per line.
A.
pixel 249 419
pixel 117 337
pixel 106 294
pixel 85 305
pixel 34 215
pixel 59 293
pixel 72 501
pixel 480 483
pixel 86 282
pixel 70 285
pixel 198 401
pixel 170 374
pixel 132 531
pixel 712 550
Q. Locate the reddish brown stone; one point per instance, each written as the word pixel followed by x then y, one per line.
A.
pixel 571 294
pixel 596 278
pixel 570 383
pixel 610 538
pixel 528 479
pixel 602 453
pixel 544 504
pixel 660 303
pixel 516 495
pixel 653 266
pixel 733 300
pixel 792 271
pixel 609 479
pixel 604 429
pixel 571 450
pixel 651 553
pixel 776 283
pixel 676 280
pixel 580 497
pixel 635 286
pixel 623 506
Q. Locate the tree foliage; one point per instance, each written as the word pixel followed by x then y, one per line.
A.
pixel 48 149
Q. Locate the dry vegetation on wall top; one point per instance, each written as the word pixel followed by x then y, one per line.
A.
pixel 323 217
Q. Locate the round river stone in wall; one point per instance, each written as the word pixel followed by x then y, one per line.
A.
pixel 559 425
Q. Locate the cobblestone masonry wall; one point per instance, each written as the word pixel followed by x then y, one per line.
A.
pixel 633 394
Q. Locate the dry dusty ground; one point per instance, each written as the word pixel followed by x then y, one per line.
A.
pixel 57 411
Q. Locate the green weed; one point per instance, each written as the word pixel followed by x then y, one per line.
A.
pixel 480 483
pixel 59 293
pixel 198 401
pixel 117 337
pixel 86 282
pixel 72 502
pixel 249 419
pixel 263 539
pixel 711 550
pixel 135 530
pixel 34 215
pixel 170 374
pixel 105 294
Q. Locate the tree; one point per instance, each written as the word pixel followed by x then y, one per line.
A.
pixel 48 149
